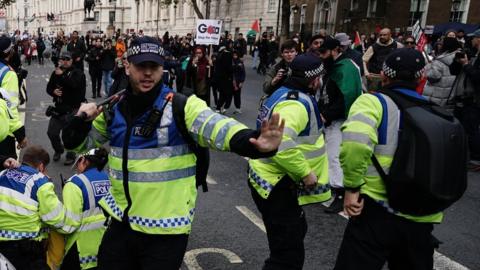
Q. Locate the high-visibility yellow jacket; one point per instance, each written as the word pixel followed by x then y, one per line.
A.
pixel 360 140
pixel 153 178
pixel 302 149
pixel 84 219
pixel 27 203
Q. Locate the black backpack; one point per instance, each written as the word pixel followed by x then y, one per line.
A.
pixel 429 168
pixel 202 153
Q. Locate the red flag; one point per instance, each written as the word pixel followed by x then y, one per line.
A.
pixel 256 26
pixel 357 40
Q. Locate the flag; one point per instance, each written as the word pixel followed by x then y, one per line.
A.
pixel 357 40
pixel 256 26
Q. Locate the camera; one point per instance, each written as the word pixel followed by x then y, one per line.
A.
pixel 52 112
pixel 460 54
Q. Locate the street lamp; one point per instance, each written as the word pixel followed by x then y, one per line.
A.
pixel 295 9
pixel 99 4
pixel 137 2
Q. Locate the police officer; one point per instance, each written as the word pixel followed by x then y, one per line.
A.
pixel 151 166
pixel 84 217
pixel 67 86
pixel 9 92
pixel 28 203
pixel 375 232
pixel 298 173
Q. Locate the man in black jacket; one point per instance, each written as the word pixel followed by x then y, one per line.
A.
pixel 77 48
pixel 108 64
pixel 224 76
pixel 67 87
pixel 94 59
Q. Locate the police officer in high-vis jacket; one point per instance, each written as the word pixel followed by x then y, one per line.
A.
pixel 28 206
pixel 376 233
pixel 298 173
pixel 84 219
pixel 9 92
pixel 152 169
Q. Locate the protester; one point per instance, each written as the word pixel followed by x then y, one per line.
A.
pixel 107 60
pixel 238 80
pixel 198 74
pixel 438 88
pixel 277 74
pixel 94 59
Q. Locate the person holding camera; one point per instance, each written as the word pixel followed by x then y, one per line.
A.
pixel 67 86
pixel 277 74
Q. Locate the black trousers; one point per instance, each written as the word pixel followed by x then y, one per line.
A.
pixel 96 76
pixel 124 248
pixel 237 98
pixel 7 147
pixel 286 226
pixel 469 116
pixel 25 254
pixel 55 127
pixel 376 237
pixel 225 88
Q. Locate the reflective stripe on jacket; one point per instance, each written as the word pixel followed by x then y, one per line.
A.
pixel 9 90
pixel 84 219
pixel 160 169
pixel 302 149
pixel 27 202
pixel 372 127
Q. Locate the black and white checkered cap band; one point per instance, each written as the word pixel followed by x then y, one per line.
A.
pixel 314 72
pixel 391 73
pixel 146 48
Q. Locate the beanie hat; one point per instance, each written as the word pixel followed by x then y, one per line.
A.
pixel 330 44
pixel 306 66
pixel 404 64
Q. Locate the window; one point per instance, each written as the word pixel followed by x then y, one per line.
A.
pixel 272 5
pixel 180 10
pixel 96 15
pixel 372 8
pixel 354 5
pixel 414 15
pixel 111 17
pixel 457 11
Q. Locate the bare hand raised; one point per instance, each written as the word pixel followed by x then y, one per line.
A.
pixel 271 134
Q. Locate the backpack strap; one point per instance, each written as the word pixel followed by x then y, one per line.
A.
pixel 203 156
pixel 3 72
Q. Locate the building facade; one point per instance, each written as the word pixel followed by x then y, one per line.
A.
pixel 365 16
pixel 151 16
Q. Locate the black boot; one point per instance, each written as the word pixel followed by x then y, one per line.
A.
pixel 337 205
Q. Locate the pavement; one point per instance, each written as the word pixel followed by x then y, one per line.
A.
pixel 228 232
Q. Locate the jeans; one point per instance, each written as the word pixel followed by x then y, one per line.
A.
pixel 107 80
pixel 96 76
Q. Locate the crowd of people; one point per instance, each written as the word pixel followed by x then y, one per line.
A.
pixel 327 126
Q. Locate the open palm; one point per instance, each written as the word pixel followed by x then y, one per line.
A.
pixel 271 134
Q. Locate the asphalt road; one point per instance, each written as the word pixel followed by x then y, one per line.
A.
pixel 228 233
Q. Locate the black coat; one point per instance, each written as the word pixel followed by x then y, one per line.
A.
pixel 73 84
pixel 107 59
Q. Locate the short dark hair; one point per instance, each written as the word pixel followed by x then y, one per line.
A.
pixel 35 155
pixel 288 45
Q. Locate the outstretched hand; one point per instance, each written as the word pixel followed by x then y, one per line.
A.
pixel 271 134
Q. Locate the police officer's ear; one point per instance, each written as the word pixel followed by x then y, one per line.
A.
pixel 41 167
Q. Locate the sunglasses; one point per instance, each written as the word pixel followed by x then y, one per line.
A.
pixel 65 58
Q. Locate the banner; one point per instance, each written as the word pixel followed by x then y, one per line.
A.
pixel 208 32
pixel 419 35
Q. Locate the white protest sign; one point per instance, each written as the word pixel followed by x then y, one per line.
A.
pixel 208 32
